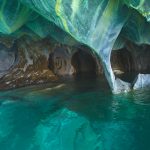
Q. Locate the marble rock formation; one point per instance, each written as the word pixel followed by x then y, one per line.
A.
pixel 7 58
pixel 25 63
pixel 73 61
pixel 142 81
pixel 60 62
pixel 102 25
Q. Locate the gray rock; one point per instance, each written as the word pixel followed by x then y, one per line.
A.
pixel 60 62
pixel 141 81
pixel 7 59
pixel 121 86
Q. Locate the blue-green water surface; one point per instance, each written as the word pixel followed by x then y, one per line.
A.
pixel 81 115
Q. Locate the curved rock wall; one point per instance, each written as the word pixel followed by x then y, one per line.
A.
pixel 130 62
pixel 8 58
pixel 65 60
pixel 25 63
pixel 98 24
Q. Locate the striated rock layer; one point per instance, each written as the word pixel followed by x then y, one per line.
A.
pixel 102 25
pixel 26 63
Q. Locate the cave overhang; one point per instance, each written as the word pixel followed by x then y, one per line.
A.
pixel 70 61
pixel 99 25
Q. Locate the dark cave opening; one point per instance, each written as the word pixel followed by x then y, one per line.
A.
pixel 84 64
pixel 141 57
pixel 127 64
pixel 81 63
pixel 123 66
pixel 51 62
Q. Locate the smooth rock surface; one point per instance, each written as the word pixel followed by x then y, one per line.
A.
pixel 142 81
pixel 7 58
pixel 121 86
pixel 102 25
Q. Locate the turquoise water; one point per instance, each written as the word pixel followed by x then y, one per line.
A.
pixel 81 115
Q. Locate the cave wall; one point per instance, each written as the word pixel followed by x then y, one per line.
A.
pixel 8 56
pixel 25 63
pixel 60 60
pixel 133 58
pixel 122 61
pixel 132 64
pixel 71 61
pixel 97 24
pixel 141 57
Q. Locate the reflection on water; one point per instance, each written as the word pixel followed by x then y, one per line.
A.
pixel 81 115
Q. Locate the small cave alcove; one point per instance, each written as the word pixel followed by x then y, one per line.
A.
pixel 128 63
pixel 80 63
pixel 84 64
pixel 122 63
pixel 141 57
pixel 60 62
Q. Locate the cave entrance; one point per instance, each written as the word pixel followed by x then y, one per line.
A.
pixel 79 63
pixel 123 64
pixel 84 64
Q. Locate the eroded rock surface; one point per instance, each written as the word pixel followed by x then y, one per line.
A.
pixel 142 81
pixel 26 63
pixel 7 58
pixel 101 25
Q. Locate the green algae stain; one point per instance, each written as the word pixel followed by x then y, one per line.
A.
pixel 59 14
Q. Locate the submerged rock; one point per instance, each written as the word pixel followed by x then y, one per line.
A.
pixel 66 129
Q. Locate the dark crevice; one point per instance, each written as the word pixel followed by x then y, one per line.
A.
pixel 51 62
pixel 123 65
pixel 80 63
pixel 84 64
